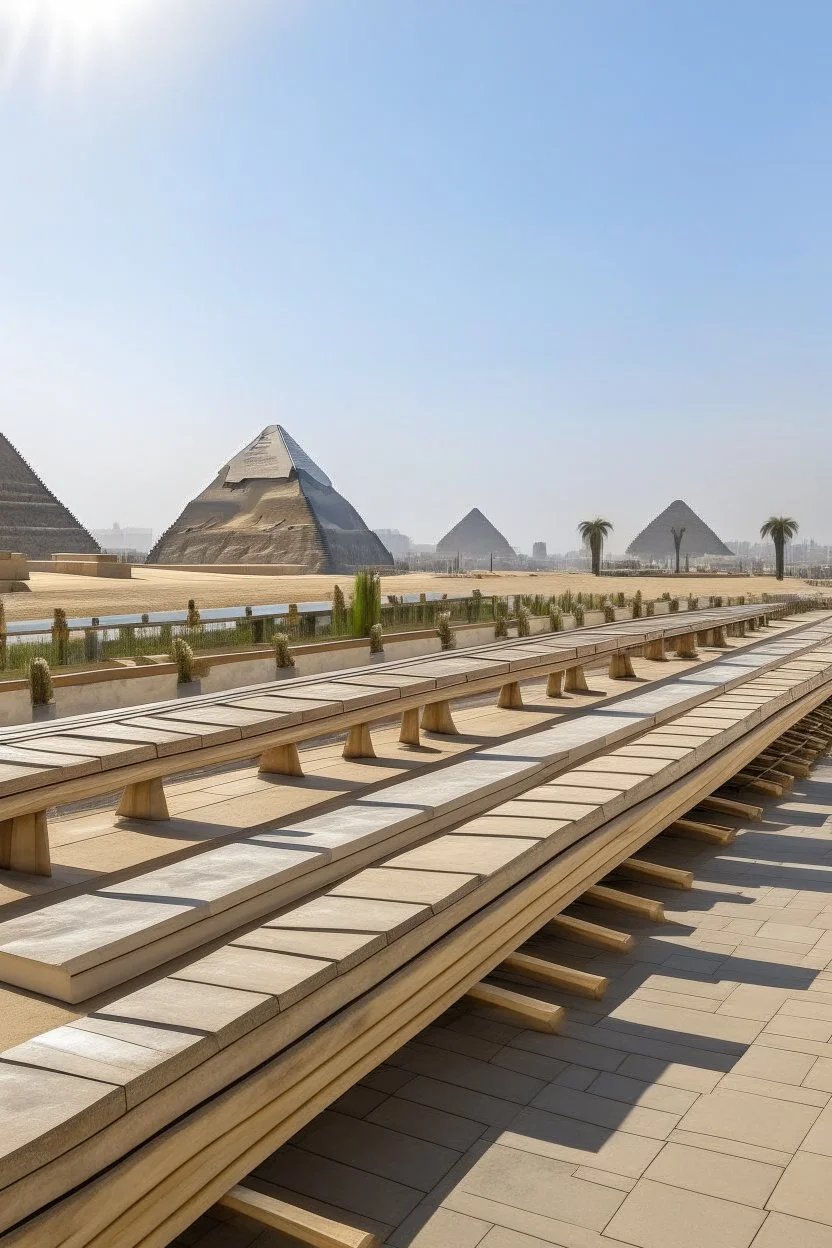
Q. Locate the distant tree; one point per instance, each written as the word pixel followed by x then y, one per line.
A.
pixel 780 529
pixel 677 542
pixel 594 532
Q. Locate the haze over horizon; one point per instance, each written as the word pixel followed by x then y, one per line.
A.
pixel 548 259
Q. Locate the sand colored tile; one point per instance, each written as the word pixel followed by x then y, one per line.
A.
pixel 351 914
pixel 617 1115
pixel 347 1187
pixel 281 975
pixel 378 1150
pixel 425 1123
pixel 430 888
pixel 753 1119
pixel 714 1174
pixel 439 1228
pixel 345 949
pixel 782 1231
pixel 540 1185
pixel 657 1216
pixel 581 1143
pixel 805 1191
pixel 224 1013
pixel 774 1064
pixel 630 1091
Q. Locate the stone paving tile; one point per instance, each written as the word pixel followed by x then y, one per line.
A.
pixel 714 1174
pixel 655 1215
pixel 783 1231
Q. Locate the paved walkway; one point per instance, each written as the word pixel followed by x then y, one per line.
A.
pixel 689 1108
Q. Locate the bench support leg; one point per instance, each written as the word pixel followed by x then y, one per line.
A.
pixel 718 638
pixel 621 667
pixel 437 717
pixel 575 680
pixel 510 698
pixel 554 685
pixel 654 650
pixel 281 760
pixel 686 646
pixel 144 800
pixel 409 733
pixel 359 743
pixel 24 844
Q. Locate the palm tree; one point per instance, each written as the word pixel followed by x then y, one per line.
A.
pixel 780 529
pixel 593 532
pixel 677 542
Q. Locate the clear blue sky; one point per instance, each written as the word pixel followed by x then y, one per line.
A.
pixel 549 258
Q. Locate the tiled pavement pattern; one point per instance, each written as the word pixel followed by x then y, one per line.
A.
pixel 689 1108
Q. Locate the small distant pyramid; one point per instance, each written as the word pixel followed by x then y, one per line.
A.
pixel 32 519
pixel 271 503
pixel 476 536
pixel 656 541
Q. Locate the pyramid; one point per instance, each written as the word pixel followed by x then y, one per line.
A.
pixel 656 541
pixel 271 503
pixel 32 519
pixel 475 535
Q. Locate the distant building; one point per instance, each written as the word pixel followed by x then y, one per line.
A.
pixel 117 541
pixel 476 537
pixel 655 543
pixel 399 544
pixel 539 550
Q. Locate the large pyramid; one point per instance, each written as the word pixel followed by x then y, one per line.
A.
pixel 272 504
pixel 475 536
pixel 32 519
pixel 656 541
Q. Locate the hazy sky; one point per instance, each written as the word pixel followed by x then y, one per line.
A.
pixel 548 258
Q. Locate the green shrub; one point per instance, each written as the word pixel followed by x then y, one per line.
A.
pixel 339 610
pixel 674 605
pixel 650 607
pixel 555 620
pixel 40 683
pixel 476 604
pixel 500 618
pixel 666 596
pixel 523 624
pixel 620 600
pixel 718 601
pixel 609 613
pixel 3 635
pixel 638 605
pixel 693 602
pixel 60 634
pixel 578 613
pixel 293 619
pixel 366 603
pixel 447 638
pixel 183 657
pixel 194 619
pixel 376 639
pixel 282 654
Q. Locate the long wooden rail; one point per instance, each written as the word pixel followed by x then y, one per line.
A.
pixel 87 756
pixel 252 1039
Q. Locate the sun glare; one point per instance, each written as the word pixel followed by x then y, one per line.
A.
pixel 58 33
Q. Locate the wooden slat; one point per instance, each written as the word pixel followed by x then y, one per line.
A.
pixel 539 1015
pixel 727 806
pixel 569 927
pixel 696 830
pixel 603 895
pixel 566 977
pixel 655 873
pixel 308 1228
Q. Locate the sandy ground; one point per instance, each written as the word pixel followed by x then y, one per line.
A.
pixel 156 589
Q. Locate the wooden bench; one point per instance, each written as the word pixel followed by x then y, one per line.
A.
pixel 81 757
pixel 258 1035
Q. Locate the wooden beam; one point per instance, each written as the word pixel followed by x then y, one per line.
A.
pixel 568 927
pixel 744 780
pixel 695 830
pixel 654 650
pixel 655 873
pixel 580 982
pixel 718 639
pixel 281 760
pixel 144 800
pixel 554 685
pixel 602 895
pixel 727 806
pixel 511 699
pixel 686 646
pixel 359 743
pixel 437 717
pixel 308 1228
pixel 621 667
pixel 24 844
pixel 409 732
pixel 539 1015
pixel 576 680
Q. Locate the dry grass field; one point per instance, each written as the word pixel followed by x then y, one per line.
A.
pixel 158 589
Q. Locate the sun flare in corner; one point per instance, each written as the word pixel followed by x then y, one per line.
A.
pixel 65 33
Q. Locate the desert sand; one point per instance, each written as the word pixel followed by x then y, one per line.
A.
pixel 159 589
